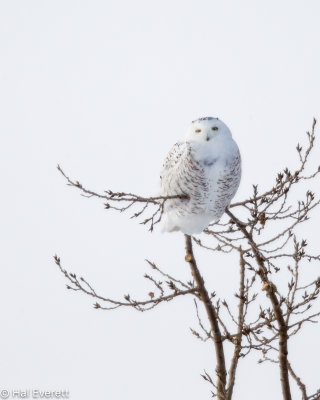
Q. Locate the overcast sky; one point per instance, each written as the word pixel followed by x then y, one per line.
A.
pixel 105 88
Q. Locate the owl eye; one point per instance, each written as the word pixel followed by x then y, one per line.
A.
pixel 198 130
pixel 214 128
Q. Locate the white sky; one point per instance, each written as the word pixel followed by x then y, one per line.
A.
pixel 105 88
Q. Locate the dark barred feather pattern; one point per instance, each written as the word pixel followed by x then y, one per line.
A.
pixel 210 184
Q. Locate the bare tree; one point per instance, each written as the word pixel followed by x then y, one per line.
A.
pixel 266 240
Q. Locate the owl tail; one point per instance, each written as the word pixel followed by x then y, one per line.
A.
pixel 170 225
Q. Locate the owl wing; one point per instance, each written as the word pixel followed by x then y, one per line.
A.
pixel 183 174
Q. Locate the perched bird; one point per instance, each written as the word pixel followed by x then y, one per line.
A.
pixel 206 168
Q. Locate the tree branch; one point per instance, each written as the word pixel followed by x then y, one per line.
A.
pixel 212 316
pixel 238 338
pixel 271 293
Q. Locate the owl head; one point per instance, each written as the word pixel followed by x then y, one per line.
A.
pixel 207 129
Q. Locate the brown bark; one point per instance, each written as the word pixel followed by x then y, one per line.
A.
pixel 212 316
pixel 283 328
pixel 237 349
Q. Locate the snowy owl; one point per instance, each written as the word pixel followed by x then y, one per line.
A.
pixel 207 168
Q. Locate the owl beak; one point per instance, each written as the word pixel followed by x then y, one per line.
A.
pixel 208 138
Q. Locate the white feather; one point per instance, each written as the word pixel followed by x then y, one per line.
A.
pixel 206 168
